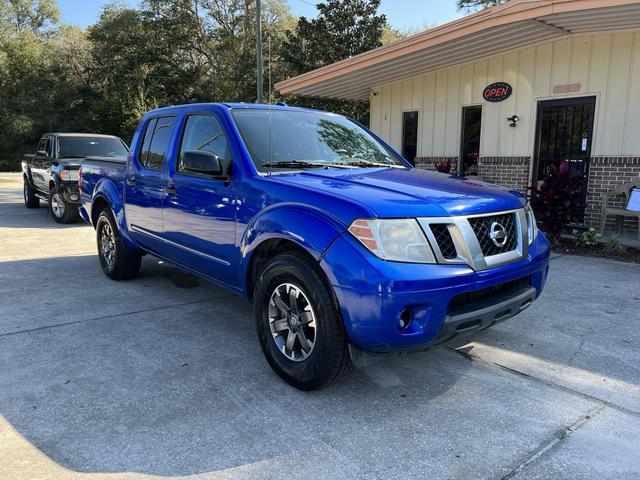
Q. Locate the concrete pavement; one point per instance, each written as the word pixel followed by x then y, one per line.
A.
pixel 163 376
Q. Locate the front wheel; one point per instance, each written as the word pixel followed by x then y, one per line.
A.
pixel 117 261
pixel 30 200
pixel 61 211
pixel 298 325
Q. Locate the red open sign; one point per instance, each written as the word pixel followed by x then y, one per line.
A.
pixel 497 92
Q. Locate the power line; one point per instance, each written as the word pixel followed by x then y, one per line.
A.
pixel 307 3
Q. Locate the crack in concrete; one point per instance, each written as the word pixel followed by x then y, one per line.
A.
pixel 115 315
pixel 607 403
pixel 562 435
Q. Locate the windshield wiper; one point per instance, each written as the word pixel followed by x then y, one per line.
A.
pixel 299 164
pixel 364 163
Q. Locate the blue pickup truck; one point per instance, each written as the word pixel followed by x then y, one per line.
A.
pixel 345 250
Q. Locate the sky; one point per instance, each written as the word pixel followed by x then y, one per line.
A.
pixel 401 14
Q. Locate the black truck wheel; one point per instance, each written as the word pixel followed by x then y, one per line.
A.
pixel 61 211
pixel 30 200
pixel 298 325
pixel 117 261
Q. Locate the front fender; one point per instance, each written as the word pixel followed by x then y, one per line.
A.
pixel 106 190
pixel 308 227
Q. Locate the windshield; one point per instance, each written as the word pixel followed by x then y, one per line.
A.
pixel 294 140
pixel 80 147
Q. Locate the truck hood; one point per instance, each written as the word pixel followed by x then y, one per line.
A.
pixel 400 192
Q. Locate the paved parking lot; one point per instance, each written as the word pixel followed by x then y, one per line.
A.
pixel 163 376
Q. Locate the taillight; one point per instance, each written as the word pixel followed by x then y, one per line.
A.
pixel 80 180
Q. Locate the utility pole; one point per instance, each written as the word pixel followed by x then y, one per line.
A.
pixel 259 52
pixel 269 55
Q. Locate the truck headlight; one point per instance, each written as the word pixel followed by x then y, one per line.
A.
pixel 69 175
pixel 532 227
pixel 399 240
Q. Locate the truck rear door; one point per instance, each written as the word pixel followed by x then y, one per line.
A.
pixel 145 182
pixel 199 209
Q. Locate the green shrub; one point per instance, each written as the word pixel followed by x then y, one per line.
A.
pixel 586 238
pixel 614 246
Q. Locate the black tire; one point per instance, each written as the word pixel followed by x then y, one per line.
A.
pixel 61 211
pixel 117 261
pixel 30 200
pixel 328 359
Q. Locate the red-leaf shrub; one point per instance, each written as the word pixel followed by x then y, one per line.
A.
pixel 559 200
pixel 443 165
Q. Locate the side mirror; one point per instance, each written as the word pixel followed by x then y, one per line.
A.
pixel 42 155
pixel 202 162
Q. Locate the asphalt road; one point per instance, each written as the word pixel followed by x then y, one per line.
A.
pixel 163 376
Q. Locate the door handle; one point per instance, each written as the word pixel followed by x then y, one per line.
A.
pixel 170 189
pixel 131 181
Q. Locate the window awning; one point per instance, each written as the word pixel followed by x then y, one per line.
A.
pixel 513 25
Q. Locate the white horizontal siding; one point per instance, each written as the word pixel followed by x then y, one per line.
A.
pixel 605 65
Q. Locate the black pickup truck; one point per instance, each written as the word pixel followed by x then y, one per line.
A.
pixel 51 174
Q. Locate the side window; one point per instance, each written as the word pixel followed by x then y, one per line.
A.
pixel 156 142
pixel 42 145
pixel 148 135
pixel 49 146
pixel 204 133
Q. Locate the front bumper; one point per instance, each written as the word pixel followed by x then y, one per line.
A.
pixel 373 295
pixel 70 193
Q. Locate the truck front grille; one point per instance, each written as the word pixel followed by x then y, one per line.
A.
pixel 480 241
pixel 506 224
pixel 444 240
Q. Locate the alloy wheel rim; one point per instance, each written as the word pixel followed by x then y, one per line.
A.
pixel 57 205
pixel 292 322
pixel 107 244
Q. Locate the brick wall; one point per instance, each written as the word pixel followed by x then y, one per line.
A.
pixel 428 163
pixel 606 173
pixel 510 172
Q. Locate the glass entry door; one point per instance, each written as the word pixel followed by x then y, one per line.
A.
pixel 410 136
pixel 470 149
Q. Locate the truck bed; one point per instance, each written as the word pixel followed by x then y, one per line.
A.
pixel 95 170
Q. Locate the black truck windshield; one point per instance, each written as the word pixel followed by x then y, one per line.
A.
pixel 296 140
pixel 84 146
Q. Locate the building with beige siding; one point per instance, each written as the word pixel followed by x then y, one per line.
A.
pixel 506 92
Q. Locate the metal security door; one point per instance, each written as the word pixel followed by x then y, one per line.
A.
pixel 563 133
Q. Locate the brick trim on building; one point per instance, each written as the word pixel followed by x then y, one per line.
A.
pixel 510 172
pixel 606 173
pixel 428 163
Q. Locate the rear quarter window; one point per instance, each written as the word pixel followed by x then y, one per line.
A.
pixel 156 140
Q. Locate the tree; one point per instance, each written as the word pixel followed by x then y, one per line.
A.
pixel 34 15
pixel 343 28
pixel 473 5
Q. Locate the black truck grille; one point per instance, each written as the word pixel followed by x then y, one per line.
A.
pixel 503 224
pixel 444 240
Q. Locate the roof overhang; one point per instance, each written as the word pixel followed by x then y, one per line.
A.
pixel 513 25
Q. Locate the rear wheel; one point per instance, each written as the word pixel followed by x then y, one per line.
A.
pixel 298 325
pixel 30 200
pixel 61 211
pixel 117 261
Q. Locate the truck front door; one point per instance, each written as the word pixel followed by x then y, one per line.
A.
pixel 199 209
pixel 41 164
pixel 144 182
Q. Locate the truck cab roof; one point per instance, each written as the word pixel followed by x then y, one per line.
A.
pixel 232 105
